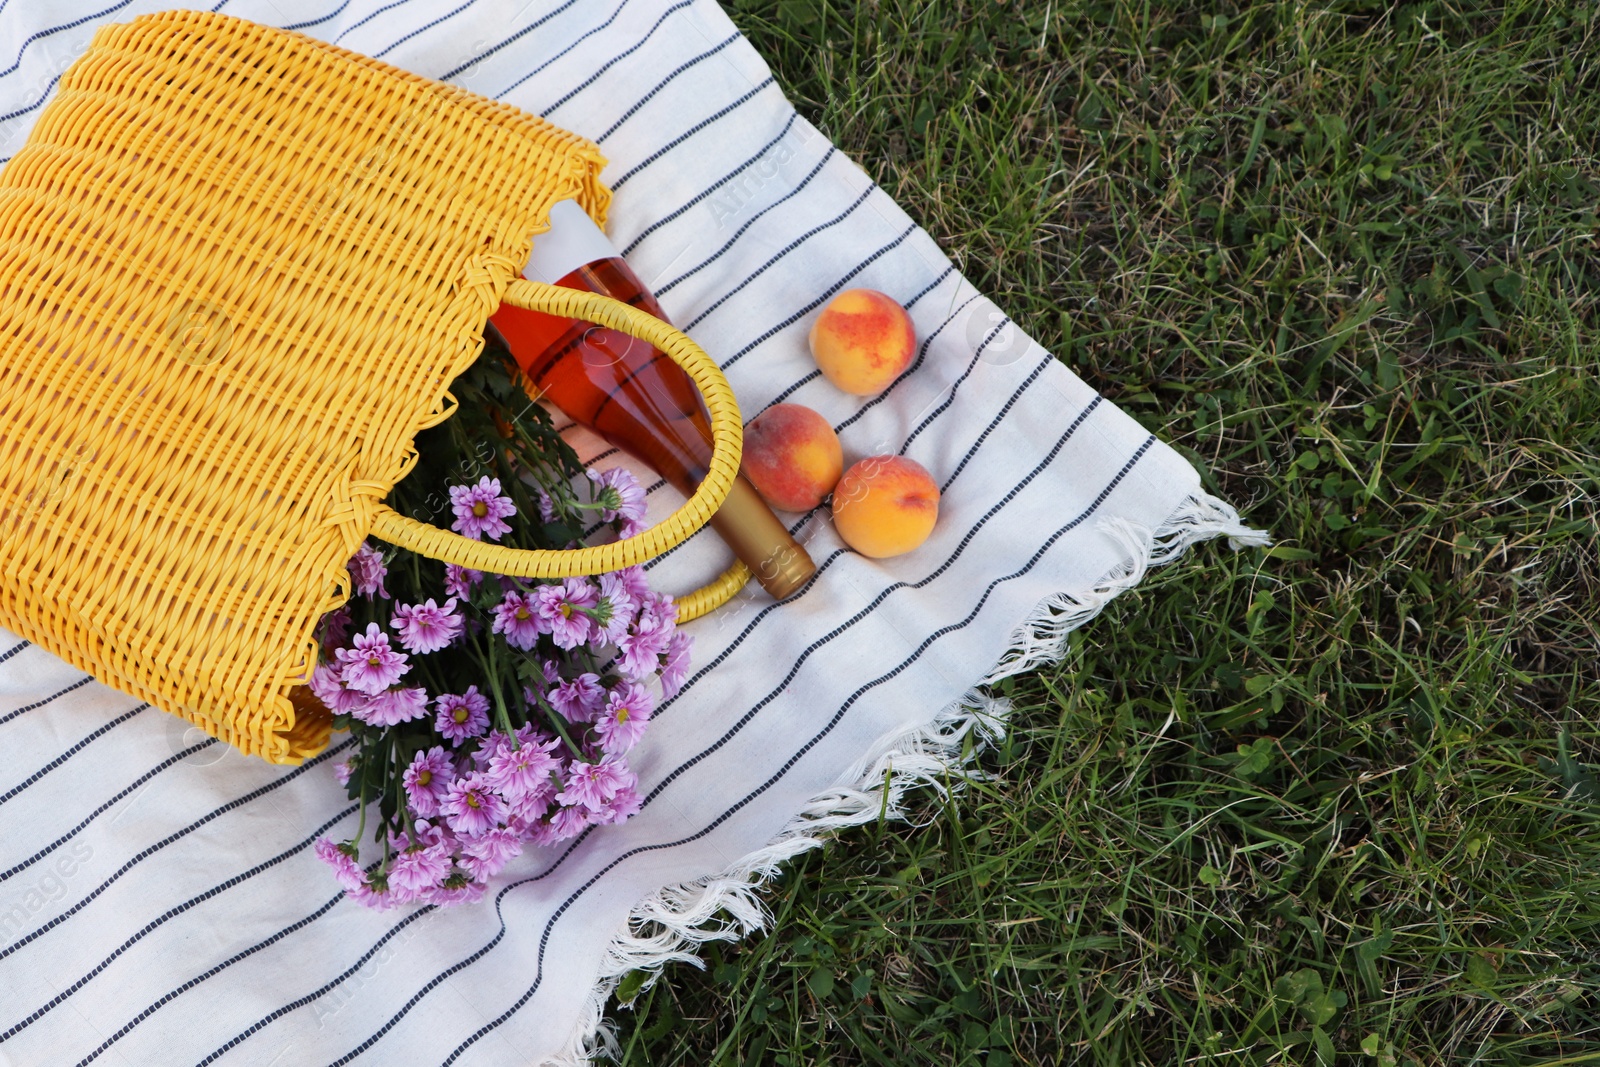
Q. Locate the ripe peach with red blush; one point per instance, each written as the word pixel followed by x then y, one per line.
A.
pixel 792 457
pixel 885 506
pixel 862 341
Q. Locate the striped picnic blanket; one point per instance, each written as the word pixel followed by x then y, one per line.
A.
pixel 159 900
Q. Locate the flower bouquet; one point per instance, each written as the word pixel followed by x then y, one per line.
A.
pixel 489 711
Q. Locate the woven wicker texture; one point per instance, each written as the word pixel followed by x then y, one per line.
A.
pixel 238 270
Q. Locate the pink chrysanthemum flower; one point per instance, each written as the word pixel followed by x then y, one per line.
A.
pixel 527 809
pixel 367 571
pixel 623 805
pixel 593 784
pixel 480 509
pixel 418 869
pixel 394 706
pixel 618 588
pixel 567 823
pixel 456 890
pixel 676 669
pixel 537 832
pixel 633 581
pixel 426 780
pixel 371 666
pixel 335 627
pixel 461 717
pixel 663 606
pixel 485 856
pixel 427 627
pixel 620 496
pixel 351 702
pixel 560 609
pixel 325 683
pixel 516 772
pixel 470 807
pixel 432 832
pixel 459 580
pixel 485 749
pixel 339 698
pixel 547 507
pixel 640 649
pixel 375 894
pixel 345 870
pixel 622 723
pixel 517 618
pixel 342 771
pixel 579 698
pixel 618 614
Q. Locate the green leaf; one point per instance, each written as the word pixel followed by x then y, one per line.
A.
pixel 1090 107
pixel 1509 286
pixel 663 1024
pixel 1324 1046
pixel 1575 777
pixel 1256 757
pixel 1480 972
pixel 629 987
pixel 1320 1008
pixel 1297 987
pixel 1378 944
pixel 821 984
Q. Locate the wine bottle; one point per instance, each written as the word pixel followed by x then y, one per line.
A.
pixel 631 394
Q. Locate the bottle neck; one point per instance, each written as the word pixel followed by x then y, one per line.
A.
pixel 572 241
pixel 632 394
pixel 756 536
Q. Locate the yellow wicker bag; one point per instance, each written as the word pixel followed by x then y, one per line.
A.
pixel 239 269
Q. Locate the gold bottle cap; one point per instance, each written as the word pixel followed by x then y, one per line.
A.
pixel 756 536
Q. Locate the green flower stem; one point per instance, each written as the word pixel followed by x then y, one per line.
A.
pixel 391 739
pixel 558 722
pixel 502 716
pixel 400 790
pixel 361 825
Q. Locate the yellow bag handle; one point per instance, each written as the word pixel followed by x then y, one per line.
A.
pixel 727 439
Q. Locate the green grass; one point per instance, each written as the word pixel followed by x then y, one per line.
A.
pixel 1332 802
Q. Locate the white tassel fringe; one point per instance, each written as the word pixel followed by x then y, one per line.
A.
pixel 671 924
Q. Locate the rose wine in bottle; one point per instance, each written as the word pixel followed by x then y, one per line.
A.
pixel 632 394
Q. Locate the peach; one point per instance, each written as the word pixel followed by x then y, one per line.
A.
pixel 862 341
pixel 792 457
pixel 885 506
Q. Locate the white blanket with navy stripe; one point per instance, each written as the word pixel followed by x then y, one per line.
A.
pixel 159 900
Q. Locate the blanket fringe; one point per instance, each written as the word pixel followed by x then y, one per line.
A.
pixel 1042 637
pixel 671 924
